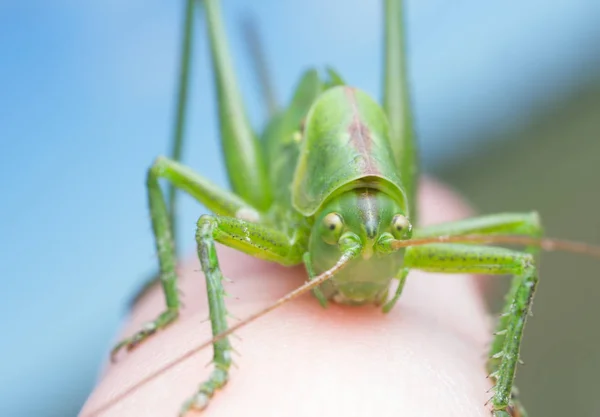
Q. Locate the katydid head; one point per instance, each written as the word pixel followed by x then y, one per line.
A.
pixel 367 216
pixel 369 219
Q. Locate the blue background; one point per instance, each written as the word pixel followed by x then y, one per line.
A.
pixel 86 104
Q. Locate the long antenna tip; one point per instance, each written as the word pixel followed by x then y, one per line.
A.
pixel 547 244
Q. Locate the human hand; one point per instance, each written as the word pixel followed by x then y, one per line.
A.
pixel 426 358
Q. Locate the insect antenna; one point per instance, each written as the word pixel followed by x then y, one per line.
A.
pixel 547 244
pixel 307 286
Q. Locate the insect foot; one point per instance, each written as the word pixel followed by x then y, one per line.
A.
pixel 511 411
pixel 200 400
pixel 515 409
pixel 147 330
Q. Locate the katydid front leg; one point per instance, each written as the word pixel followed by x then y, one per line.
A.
pixel 218 314
pixel 527 224
pixel 254 239
pixel 453 258
pixel 481 259
pixel 243 233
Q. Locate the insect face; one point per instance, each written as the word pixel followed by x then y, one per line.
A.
pixel 368 217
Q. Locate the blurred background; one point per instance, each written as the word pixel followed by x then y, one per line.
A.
pixel 507 104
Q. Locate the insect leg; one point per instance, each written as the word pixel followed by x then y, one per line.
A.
pixel 454 258
pixel 178 133
pixel 246 166
pixel 527 224
pixel 182 100
pixel 214 198
pixel 253 239
pixel 396 101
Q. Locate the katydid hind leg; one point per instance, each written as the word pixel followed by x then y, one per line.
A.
pixel 396 101
pixel 215 199
pixel 181 109
pixel 282 140
pixel 245 162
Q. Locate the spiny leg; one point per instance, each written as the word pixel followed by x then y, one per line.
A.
pixel 218 315
pixel 504 354
pixel 396 101
pixel 178 134
pixel 501 336
pixel 453 258
pixel 527 224
pixel 245 162
pixel 214 198
pixel 254 239
pixel 505 223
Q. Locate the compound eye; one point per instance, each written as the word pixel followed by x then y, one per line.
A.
pixel 331 228
pixel 401 227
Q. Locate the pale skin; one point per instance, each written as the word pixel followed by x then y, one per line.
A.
pixel 425 358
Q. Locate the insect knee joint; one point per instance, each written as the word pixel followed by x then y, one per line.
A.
pixel 205 226
pixel 158 166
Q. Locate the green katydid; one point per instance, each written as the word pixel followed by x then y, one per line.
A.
pixel 331 184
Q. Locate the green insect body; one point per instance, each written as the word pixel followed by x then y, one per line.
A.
pixel 347 182
pixel 345 146
pixel 331 183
